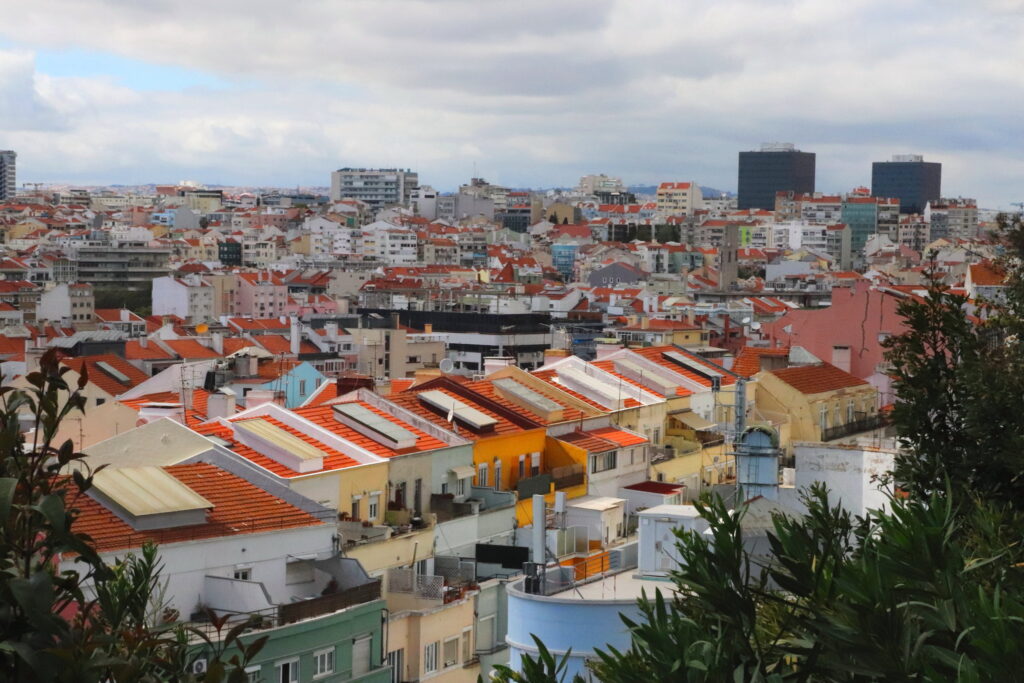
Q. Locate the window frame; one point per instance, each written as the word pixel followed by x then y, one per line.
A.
pixel 329 653
pixel 430 657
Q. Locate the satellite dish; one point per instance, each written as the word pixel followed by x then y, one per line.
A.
pixel 447 365
pixel 202 328
pixel 755 326
pixel 746 320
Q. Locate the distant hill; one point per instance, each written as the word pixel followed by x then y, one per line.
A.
pixel 708 192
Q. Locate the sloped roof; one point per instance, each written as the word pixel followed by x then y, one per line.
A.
pixel 104 380
pixel 817 379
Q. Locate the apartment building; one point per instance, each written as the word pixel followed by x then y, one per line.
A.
pixel 378 187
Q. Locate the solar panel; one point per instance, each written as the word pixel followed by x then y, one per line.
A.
pixel 692 365
pixel 462 412
pixel 526 397
pixel 374 426
pixel 113 372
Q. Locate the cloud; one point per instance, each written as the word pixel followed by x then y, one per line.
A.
pixel 532 92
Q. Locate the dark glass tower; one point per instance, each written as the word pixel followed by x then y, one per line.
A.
pixel 777 167
pixel 914 181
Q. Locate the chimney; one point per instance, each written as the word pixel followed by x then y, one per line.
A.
pixel 539 530
pixel 295 338
pixel 690 313
pixel 217 339
pixel 144 342
pixel 495 363
pixel 220 404
pixel 258 397
pixel 428 328
pixel 605 350
pixel 395 321
pixel 124 315
pixel 841 357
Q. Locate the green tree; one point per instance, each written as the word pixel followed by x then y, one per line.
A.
pixel 930 589
pixel 93 622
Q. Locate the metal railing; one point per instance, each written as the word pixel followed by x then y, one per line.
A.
pixel 864 424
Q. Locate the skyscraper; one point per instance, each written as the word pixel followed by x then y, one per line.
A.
pixel 8 179
pixel 910 178
pixel 778 166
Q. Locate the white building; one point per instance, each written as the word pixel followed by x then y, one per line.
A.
pixel 188 297
pixel 378 187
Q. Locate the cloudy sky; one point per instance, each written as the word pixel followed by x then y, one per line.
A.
pixel 528 93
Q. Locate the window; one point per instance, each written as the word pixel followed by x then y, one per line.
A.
pixel 849 411
pixel 430 658
pixel 451 652
pixel 602 462
pixel 243 574
pixel 302 387
pixel 252 674
pixel 323 662
pixel 100 401
pixel 535 464
pixel 497 473
pixel 288 671
pixel 467 645
pixel 481 474
pixel 374 505
pixel 823 417
pixel 522 466
pixel 837 418
pixel 355 508
pixel 396 660
pixel 460 487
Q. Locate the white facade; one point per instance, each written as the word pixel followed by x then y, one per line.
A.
pixel 189 298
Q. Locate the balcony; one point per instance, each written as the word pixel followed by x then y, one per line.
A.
pixel 856 426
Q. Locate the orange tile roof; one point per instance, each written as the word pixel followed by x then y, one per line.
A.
pixel 194 415
pixel 324 417
pixel 618 436
pixel 12 348
pixel 987 275
pixel 485 387
pixel 133 350
pixel 818 379
pixel 410 401
pixel 190 349
pixel 101 379
pixel 238 508
pixel 328 391
pixel 333 458
pixel 654 353
pixel 549 377
pixel 588 442
pixel 280 344
pixel 748 361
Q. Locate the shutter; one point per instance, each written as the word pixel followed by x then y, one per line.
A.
pixel 485 635
pixel 361 656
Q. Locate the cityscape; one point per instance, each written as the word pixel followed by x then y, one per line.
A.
pixel 415 416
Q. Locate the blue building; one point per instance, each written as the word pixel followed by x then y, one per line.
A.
pixel 563 258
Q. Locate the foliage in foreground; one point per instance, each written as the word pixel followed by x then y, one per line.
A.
pixel 94 622
pixel 930 589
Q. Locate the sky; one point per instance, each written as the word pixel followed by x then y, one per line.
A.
pixel 531 93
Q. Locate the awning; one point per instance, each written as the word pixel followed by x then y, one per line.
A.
pixel 694 421
pixel 463 471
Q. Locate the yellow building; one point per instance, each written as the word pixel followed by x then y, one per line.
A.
pixel 821 402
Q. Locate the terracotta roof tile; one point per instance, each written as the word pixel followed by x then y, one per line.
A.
pixel 238 508
pixel 103 380
pixel 817 379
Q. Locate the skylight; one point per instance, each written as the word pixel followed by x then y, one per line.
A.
pixel 113 372
pixel 472 417
pixel 374 426
pixel 692 365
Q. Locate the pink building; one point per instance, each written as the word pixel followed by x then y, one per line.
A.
pixel 260 295
pixel 847 334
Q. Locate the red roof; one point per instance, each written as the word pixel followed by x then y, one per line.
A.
pixel 748 361
pixel 818 379
pixel 324 417
pixel 190 349
pixel 133 350
pixel 194 415
pixel 238 508
pixel 333 459
pixel 104 380
pixel 985 274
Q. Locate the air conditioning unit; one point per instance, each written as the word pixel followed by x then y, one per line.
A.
pixel 199 666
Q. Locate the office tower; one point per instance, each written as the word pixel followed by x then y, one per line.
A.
pixel 8 179
pixel 777 167
pixel 910 178
pixel 378 187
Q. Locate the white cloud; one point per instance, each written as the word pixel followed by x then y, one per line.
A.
pixel 533 92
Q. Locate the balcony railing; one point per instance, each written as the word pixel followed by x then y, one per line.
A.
pixel 863 424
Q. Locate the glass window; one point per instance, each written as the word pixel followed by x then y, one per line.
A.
pixel 451 652
pixel 323 662
pixel 288 671
pixel 430 658
pixel 481 474
pixel 243 574
pixel 374 505
pixel 467 645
